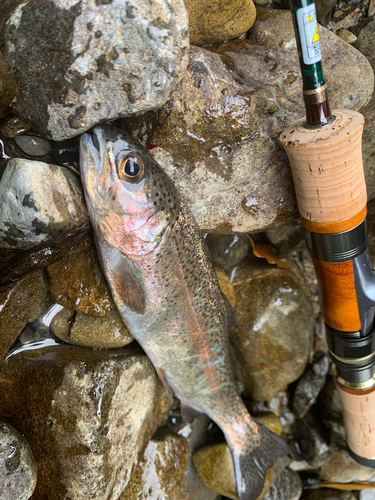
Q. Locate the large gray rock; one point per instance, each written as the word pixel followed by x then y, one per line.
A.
pixel 18 470
pixel 217 136
pixel 87 415
pixel 106 59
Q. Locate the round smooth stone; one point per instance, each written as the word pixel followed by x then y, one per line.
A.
pixel 33 145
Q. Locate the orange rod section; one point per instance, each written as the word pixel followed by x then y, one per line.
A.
pixel 335 227
pixel 338 295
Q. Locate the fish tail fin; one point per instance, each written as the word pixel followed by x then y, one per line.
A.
pixel 252 459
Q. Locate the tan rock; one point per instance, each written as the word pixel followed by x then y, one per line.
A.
pixel 160 470
pixel 271 421
pixel 20 303
pixel 347 36
pixel 341 468
pixel 213 21
pixel 106 332
pixel 77 281
pixel 88 416
pixel 271 340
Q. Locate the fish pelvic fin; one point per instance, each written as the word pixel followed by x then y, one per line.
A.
pixel 252 461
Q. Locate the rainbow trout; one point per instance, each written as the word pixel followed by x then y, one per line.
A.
pixel 165 288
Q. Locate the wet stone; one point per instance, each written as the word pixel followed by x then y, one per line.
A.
pixel 310 385
pixel 18 470
pixel 12 127
pixel 77 281
pixel 161 469
pixel 309 445
pixel 227 250
pixel 108 60
pixel 286 485
pixel 39 204
pixel 106 332
pixel 33 145
pixel 271 340
pixel 20 303
pixel 219 20
pixel 327 494
pixel 341 468
pixel 88 415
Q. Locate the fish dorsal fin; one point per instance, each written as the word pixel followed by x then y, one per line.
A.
pixel 122 280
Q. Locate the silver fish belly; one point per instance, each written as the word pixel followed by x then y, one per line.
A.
pixel 165 288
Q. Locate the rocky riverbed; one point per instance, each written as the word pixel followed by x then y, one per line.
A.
pixel 207 87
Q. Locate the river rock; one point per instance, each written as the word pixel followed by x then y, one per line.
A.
pixel 308 444
pixel 20 303
pixel 38 204
pixel 271 340
pixel 217 20
pixel 367 494
pixel 107 59
pixel 286 485
pixel 33 145
pixel 87 415
pixel 217 135
pixel 323 7
pixel 365 44
pixel 310 385
pixel 227 250
pixel 18 470
pixel 160 471
pixel 12 127
pixel 341 468
pixel 287 237
pixel 327 494
pixel 77 281
pixel 106 332
pixel 7 85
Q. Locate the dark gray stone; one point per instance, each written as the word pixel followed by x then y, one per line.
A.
pixel 106 59
pixel 227 250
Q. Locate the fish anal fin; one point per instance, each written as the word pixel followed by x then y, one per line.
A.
pixel 163 378
pixel 122 280
pixel 188 414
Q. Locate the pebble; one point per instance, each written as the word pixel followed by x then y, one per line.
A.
pixel 341 468
pixel 227 250
pixel 347 36
pixel 219 20
pixel 13 127
pixel 88 415
pixel 18 470
pixel 106 332
pixel 33 145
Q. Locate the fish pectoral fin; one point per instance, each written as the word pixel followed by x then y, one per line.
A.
pixel 163 378
pixel 122 280
pixel 188 413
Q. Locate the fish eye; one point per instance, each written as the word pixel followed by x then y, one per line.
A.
pixel 130 168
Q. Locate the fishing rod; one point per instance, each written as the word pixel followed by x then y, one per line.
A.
pixel 325 155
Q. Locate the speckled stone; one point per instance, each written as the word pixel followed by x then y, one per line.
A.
pixel 7 84
pixel 272 337
pixel 108 59
pixel 39 203
pixel 160 471
pixel 18 470
pixel 77 281
pixel 87 415
pixel 215 21
pixel 33 145
pixel 217 135
pixel 13 126
pixel 341 468
pixel 106 332
pixel 20 303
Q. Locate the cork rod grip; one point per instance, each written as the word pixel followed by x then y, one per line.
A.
pixel 359 419
pixel 327 170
